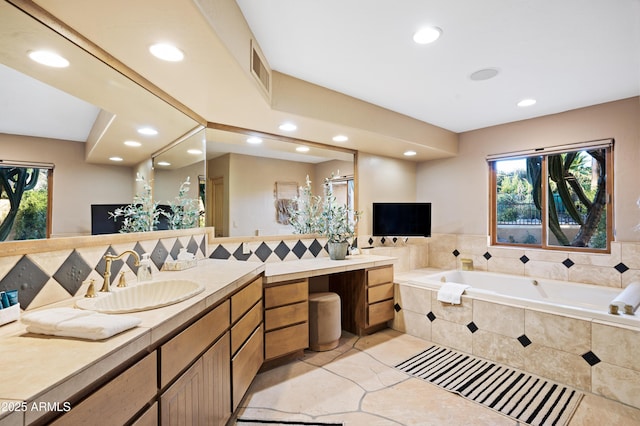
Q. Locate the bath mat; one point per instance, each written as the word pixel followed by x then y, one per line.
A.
pixel 282 422
pixel 522 396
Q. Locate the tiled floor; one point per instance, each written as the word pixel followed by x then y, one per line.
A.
pixel 356 384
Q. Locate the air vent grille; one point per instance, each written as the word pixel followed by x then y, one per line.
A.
pixel 260 71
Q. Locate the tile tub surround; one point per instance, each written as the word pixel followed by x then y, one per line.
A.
pixel 361 387
pixel 594 356
pixel 616 269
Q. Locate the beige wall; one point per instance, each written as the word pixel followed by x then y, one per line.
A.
pixel 166 183
pixel 458 187
pixel 382 179
pixel 76 184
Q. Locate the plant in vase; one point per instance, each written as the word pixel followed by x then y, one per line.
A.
pixel 312 214
pixel 338 223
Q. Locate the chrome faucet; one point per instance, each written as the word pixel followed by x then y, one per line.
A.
pixel 108 259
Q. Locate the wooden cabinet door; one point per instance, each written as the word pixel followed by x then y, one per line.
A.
pixel 182 403
pixel 216 363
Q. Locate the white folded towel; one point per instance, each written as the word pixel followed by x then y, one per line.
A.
pixel 78 323
pixel 628 300
pixel 451 292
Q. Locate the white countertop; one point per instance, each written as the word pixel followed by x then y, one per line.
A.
pixel 40 368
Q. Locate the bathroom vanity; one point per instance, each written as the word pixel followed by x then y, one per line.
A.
pixel 191 360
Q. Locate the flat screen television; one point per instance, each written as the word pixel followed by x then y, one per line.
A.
pixel 402 219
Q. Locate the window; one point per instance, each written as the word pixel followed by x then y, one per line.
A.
pixel 554 198
pixel 25 200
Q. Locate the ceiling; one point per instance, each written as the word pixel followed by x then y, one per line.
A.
pixel 565 54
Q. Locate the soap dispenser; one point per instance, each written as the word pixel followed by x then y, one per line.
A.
pixel 144 271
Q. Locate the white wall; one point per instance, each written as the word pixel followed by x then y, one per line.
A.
pixel 382 179
pixel 76 184
pixel 458 187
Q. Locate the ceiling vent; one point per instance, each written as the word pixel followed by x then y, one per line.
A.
pixel 260 69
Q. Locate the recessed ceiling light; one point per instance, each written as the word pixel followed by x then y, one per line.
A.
pixel 302 149
pixel 484 74
pixel 194 151
pixel 117 159
pixel 132 143
pixel 340 138
pixel 427 35
pixel 147 131
pixel 288 127
pixel 526 102
pixel 48 58
pixel 166 52
pixel 163 163
pixel 254 140
pixel 410 153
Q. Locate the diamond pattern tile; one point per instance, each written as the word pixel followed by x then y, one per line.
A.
pixel 524 259
pixel 568 263
pixel 73 271
pixel 397 307
pixel 159 255
pixel 591 358
pixel 203 247
pixel 621 267
pixel 263 252
pixel 315 248
pixel 220 253
pixel 175 249
pixel 192 246
pixel 27 278
pixel 371 241
pixel 524 340
pixel 282 250
pixel 487 255
pixel 299 249
pixel 456 253
pixel 472 327
pixel 238 255
pixel 431 316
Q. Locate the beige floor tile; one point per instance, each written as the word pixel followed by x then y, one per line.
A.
pixel 598 411
pixel 356 384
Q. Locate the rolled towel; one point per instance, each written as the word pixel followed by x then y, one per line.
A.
pixel 628 300
pixel 92 325
pixel 451 292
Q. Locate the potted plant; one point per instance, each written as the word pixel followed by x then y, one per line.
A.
pixel 325 216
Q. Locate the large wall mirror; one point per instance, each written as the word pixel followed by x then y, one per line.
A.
pixel 75 120
pixel 250 177
pixel 241 186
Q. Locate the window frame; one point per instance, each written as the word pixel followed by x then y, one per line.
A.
pixel 608 144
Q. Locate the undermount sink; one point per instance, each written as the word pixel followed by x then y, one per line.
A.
pixel 141 297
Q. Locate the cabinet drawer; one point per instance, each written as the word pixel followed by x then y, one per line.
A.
pixel 286 315
pixel 245 326
pixel 180 351
pixel 286 294
pixel 245 366
pixel 120 399
pixel 380 312
pixel 380 292
pixel 380 276
pixel 286 340
pixel 243 300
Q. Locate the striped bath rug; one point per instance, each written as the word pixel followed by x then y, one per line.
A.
pixel 522 396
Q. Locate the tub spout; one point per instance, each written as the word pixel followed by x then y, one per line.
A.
pixel 467 264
